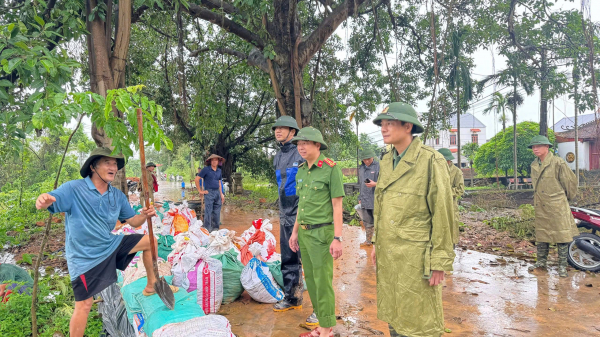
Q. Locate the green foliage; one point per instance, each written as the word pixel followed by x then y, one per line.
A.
pixel 348 206
pixel 485 159
pixel 54 311
pixel 469 150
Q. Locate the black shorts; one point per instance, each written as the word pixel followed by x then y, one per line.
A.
pixel 104 273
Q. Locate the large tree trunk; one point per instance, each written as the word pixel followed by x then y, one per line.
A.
pixel 107 62
pixel 544 94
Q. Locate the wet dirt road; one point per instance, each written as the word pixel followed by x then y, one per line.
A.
pixel 487 295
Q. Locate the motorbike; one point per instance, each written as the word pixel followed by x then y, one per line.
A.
pixel 584 250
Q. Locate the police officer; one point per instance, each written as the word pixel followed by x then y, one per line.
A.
pixel 367 177
pixel 554 184
pixel 412 238
pixel 457 181
pixel 286 164
pixel 317 231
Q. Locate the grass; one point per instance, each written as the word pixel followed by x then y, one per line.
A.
pixel 55 308
pixel 521 227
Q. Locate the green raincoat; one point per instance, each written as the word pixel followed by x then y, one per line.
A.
pixel 458 189
pixel 413 218
pixel 554 185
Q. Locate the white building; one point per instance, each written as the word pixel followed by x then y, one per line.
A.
pixel 472 130
pixel 588 145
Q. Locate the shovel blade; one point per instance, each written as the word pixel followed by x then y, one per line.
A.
pixel 165 293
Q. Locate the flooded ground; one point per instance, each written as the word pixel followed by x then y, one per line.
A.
pixel 486 295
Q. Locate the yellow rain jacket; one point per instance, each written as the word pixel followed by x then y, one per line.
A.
pixel 554 185
pixel 413 218
pixel 458 189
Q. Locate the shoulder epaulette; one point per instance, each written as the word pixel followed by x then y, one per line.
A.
pixel 302 163
pixel 329 162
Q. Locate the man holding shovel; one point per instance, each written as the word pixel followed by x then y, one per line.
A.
pixel 92 207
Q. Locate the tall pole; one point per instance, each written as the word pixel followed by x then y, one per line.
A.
pixel 357 158
pixel 575 87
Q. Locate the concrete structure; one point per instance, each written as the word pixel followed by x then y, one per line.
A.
pixel 588 146
pixel 472 130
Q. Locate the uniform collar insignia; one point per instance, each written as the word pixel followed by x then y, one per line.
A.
pixel 320 163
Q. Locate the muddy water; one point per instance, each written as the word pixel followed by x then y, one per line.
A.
pixel 485 296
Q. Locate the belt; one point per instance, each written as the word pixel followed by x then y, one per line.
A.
pixel 309 227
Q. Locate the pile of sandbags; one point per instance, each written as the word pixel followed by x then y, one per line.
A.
pixel 209 268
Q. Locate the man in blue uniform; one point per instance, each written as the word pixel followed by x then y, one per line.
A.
pixel 286 164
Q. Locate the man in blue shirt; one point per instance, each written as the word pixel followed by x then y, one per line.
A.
pixel 92 207
pixel 214 197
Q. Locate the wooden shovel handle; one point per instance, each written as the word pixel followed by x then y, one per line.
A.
pixel 145 193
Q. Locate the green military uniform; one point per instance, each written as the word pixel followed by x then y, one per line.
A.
pixel 554 184
pixel 316 186
pixel 413 213
pixel 458 189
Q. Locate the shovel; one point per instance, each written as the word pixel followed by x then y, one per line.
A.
pixel 161 287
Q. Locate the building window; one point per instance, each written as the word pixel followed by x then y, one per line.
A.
pixel 437 141
pixel 452 139
pixel 475 138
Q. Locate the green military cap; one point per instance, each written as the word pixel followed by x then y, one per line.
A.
pixel 401 112
pixel 366 154
pixel 287 121
pixel 539 140
pixel 150 164
pixel 97 153
pixel 311 134
pixel 446 153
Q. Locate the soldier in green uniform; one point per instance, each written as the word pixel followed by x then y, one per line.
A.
pixel 413 218
pixel 458 189
pixel 554 184
pixel 317 231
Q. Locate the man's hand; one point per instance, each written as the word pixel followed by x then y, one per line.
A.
pixel 149 212
pixel 2 289
pixel 437 276
pixel 373 257
pixel 293 242
pixel 335 249
pixel 44 201
pixel 371 183
pixel 222 198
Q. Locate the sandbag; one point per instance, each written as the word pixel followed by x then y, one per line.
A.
pixel 208 279
pixel 164 245
pixel 232 271
pixel 259 283
pixel 157 315
pixel 206 326
pixel 180 224
pixel 275 269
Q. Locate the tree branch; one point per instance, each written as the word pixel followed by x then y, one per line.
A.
pixel 225 23
pixel 220 4
pixel 309 47
pixel 255 58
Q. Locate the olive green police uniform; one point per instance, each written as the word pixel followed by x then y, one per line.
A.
pixel 413 219
pixel 316 186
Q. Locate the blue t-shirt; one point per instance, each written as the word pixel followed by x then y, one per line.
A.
pixel 211 178
pixel 90 218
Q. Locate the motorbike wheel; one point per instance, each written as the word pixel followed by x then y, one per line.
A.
pixel 581 260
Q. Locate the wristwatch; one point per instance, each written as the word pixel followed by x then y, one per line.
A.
pixel 339 238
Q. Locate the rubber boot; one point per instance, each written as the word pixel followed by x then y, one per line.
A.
pixel 369 231
pixel 542 256
pixel 563 251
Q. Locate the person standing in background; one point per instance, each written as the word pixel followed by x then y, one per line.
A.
pixel 214 198
pixel 367 177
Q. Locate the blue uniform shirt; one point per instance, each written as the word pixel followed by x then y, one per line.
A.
pixel 211 178
pixel 90 218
